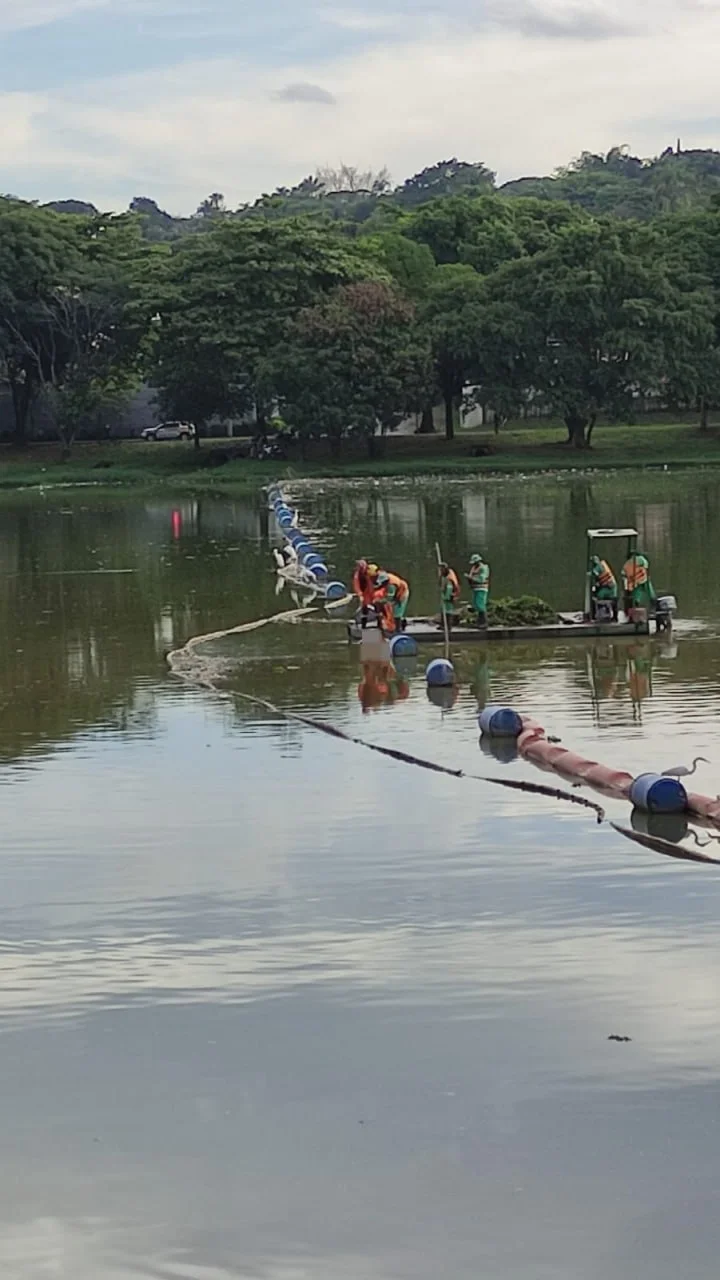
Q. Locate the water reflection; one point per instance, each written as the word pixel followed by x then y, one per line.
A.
pixel 274 1006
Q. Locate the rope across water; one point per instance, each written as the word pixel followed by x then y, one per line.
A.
pixel 188 665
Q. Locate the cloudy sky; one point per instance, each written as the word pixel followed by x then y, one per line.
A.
pixel 107 99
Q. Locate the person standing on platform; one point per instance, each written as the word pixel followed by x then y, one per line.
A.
pixel 449 591
pixel 364 588
pixel 479 580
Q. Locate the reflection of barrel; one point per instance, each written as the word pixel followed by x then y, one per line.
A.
pixel 503 749
pixel 657 794
pixel 664 826
pixel 500 722
pixel 406 666
pixel 443 696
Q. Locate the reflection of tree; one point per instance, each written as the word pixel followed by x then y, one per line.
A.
pixel 91 594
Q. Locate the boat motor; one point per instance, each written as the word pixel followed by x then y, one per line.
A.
pixel 665 608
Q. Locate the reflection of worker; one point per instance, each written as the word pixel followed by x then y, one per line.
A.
pixel 606 672
pixel 449 591
pixel 638 588
pixel 603 583
pixel 364 587
pixel 479 579
pixel 639 672
pixel 381 684
pixel 481 683
pixel 392 591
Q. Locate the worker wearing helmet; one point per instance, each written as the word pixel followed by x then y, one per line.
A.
pixel 364 587
pixel 637 585
pixel 449 590
pixel 479 580
pixel 394 589
pixel 603 583
pixel 383 602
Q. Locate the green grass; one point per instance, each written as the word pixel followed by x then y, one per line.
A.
pixel 519 449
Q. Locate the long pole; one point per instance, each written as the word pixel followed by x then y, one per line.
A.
pixel 443 614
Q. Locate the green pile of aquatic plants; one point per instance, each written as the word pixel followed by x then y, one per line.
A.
pixel 520 611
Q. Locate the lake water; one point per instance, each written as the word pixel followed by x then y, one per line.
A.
pixel 274 1007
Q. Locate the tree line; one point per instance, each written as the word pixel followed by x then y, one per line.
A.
pixel 341 330
pixel 614 183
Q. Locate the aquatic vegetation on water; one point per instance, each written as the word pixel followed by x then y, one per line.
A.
pixel 518 611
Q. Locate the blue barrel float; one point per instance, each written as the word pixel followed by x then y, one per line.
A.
pixel 440 673
pixel 403 646
pixel 500 722
pixel 657 794
pixel 335 591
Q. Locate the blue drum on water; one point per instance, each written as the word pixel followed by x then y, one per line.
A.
pixel 657 794
pixel 403 646
pixel 335 591
pixel 500 722
pixel 440 673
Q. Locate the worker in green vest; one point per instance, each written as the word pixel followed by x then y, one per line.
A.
pixel 603 583
pixel 637 584
pixel 479 580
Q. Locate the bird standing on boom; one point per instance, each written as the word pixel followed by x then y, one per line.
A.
pixel 681 770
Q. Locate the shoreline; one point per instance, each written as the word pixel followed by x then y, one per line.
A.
pixel 526 453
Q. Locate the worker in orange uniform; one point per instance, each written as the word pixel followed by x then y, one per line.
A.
pixel 392 589
pixel 364 587
pixel 449 591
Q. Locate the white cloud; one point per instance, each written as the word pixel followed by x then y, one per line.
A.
pixel 36 13
pixel 524 103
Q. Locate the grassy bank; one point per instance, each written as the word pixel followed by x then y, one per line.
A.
pixel 517 450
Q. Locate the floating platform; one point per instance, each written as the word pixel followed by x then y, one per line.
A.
pixel 425 631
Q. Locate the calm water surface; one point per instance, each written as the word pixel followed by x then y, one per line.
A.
pixel 276 1008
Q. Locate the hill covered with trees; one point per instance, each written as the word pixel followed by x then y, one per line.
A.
pixel 617 184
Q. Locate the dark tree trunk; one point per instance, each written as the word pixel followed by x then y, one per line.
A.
pixel 449 416
pixel 576 425
pixel 427 422
pixel 196 437
pixel 22 393
pixel 376 446
pixel 591 428
pixel 703 413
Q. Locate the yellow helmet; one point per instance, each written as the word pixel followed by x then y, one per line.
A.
pixel 373 570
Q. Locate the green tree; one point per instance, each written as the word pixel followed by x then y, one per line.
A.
pixel 409 263
pixel 486 231
pixel 81 343
pixel 36 250
pixel 446 178
pixel 353 362
pixel 594 321
pixel 451 315
pixel 229 299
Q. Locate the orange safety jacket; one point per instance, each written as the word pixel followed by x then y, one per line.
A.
pixel 363 587
pixel 606 577
pixel 402 590
pixel 635 574
pixel 452 577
